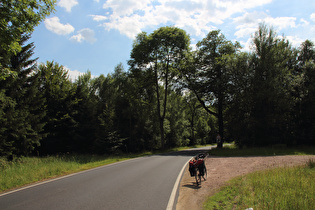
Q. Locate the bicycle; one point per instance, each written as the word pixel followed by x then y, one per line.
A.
pixel 198 168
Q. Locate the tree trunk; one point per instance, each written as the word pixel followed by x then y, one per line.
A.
pixel 220 119
pixel 162 133
pixel 161 117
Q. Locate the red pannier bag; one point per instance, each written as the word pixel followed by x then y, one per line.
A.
pixel 199 162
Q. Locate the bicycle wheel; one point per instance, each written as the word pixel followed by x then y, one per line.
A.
pixel 197 177
pixel 205 175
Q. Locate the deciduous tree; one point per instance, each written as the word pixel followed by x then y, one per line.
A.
pixel 210 78
pixel 160 53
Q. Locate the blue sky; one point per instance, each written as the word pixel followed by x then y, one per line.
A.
pixel 97 35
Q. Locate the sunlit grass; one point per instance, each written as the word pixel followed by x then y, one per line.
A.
pixel 281 188
pixel 27 170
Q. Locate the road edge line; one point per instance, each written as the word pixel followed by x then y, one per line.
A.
pixel 171 201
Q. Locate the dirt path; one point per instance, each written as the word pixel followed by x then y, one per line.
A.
pixel 222 169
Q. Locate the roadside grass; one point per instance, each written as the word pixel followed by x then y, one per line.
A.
pixel 27 170
pixel 281 188
pixel 231 150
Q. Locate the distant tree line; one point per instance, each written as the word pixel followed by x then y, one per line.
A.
pixel 170 96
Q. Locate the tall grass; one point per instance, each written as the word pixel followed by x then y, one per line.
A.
pixel 281 188
pixel 27 170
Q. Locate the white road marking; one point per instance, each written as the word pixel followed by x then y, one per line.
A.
pixel 176 185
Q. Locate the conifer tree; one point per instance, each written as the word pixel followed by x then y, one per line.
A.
pixel 22 119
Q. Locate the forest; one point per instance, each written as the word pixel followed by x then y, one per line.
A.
pixel 171 95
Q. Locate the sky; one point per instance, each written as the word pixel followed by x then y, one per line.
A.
pixel 97 35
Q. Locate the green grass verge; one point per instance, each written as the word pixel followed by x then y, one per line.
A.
pixel 281 188
pixel 28 170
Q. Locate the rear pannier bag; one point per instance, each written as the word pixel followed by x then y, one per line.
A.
pixel 191 168
pixel 201 168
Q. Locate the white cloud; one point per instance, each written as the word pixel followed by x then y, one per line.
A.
pixel 312 16
pixel 99 18
pixel 295 40
pixel 250 18
pixel 74 75
pixel 245 31
pixel 53 24
pixel 247 24
pixel 281 22
pixel 125 7
pixel 196 16
pixel 304 22
pixel 85 34
pixel 67 4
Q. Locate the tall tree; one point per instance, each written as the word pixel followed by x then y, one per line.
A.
pixel 270 95
pixel 209 79
pixel 305 129
pixel 23 122
pixel 239 105
pixel 86 108
pixel 17 17
pixel 108 138
pixel 60 108
pixel 307 52
pixel 160 53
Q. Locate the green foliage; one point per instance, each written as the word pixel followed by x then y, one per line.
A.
pixel 210 77
pixel 60 102
pixel 305 126
pixel 200 124
pixel 159 56
pixel 269 93
pixel 271 101
pixel 22 111
pixel 282 188
pixel 21 102
pixel 19 16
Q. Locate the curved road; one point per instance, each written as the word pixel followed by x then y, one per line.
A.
pixel 141 183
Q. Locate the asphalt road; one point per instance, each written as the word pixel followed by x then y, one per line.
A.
pixel 141 183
